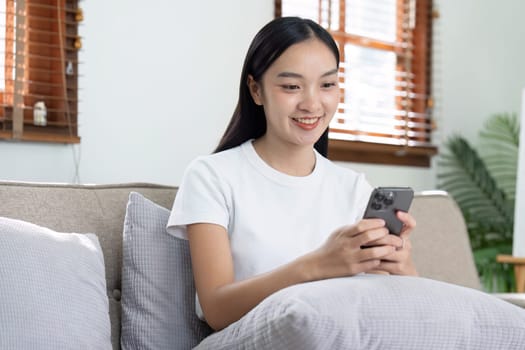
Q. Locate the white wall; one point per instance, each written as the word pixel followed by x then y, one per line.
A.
pixel 156 94
pixel 483 62
pixel 518 243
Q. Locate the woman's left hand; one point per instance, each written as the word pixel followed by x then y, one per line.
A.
pixel 400 261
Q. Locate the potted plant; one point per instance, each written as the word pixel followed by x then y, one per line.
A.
pixel 483 183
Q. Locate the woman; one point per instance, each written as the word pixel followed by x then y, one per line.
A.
pixel 267 210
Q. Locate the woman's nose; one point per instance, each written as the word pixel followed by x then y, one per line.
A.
pixel 311 101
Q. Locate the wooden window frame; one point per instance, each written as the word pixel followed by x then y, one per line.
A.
pixel 42 66
pixel 419 61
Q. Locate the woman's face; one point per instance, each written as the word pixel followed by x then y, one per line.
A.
pixel 299 93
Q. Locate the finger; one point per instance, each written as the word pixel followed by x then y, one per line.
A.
pixel 406 243
pixel 378 272
pixel 369 265
pixel 399 268
pixel 365 225
pixel 392 240
pixel 396 256
pixel 402 245
pixel 367 237
pixel 394 268
pixel 372 253
pixel 401 253
pixel 406 218
pixel 358 228
pixel 408 225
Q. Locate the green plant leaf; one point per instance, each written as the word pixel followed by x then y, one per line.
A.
pixel 495 277
pixel 484 184
pixel 500 146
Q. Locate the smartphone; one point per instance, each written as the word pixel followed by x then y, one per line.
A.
pixel 384 202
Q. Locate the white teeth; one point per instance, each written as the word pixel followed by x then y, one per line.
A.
pixel 307 120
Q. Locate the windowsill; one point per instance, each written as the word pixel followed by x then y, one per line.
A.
pixel 40 137
pixel 365 152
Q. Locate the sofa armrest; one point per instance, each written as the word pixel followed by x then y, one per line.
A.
pixel 514 298
pixel 441 246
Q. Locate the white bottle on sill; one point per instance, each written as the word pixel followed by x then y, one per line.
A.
pixel 40 114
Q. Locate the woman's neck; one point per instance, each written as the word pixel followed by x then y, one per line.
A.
pixel 288 159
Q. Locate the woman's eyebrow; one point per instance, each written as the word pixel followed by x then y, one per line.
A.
pixel 289 75
pixel 331 72
pixel 297 75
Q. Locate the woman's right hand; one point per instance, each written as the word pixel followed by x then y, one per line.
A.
pixel 352 249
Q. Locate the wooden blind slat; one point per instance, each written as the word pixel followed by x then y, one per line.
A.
pixel 18 117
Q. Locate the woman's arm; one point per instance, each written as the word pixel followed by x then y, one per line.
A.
pixel 225 300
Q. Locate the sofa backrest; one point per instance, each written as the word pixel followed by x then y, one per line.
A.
pixel 98 209
pixel 441 249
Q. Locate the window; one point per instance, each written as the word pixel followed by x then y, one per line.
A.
pixel 39 73
pixel 385 46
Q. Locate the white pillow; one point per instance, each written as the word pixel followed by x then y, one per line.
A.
pixel 376 312
pixel 52 289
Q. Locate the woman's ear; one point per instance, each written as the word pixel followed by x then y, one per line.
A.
pixel 255 90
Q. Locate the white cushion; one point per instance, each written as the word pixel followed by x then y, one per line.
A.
pixel 376 312
pixel 52 289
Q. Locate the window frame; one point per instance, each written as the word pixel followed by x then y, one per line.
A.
pixel 420 66
pixel 41 53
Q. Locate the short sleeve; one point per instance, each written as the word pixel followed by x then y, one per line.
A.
pixel 201 198
pixel 363 191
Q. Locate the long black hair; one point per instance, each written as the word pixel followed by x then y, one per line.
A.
pixel 248 120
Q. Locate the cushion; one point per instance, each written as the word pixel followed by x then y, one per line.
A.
pixel 376 312
pixel 158 293
pixel 52 289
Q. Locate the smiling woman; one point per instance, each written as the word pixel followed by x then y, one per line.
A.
pixel 267 210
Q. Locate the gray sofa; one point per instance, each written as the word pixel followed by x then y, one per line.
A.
pixel 440 244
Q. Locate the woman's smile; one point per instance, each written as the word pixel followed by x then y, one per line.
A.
pixel 307 123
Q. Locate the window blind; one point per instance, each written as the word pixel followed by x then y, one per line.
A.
pixel 385 111
pixel 39 72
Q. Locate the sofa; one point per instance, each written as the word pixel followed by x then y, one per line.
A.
pixel 441 248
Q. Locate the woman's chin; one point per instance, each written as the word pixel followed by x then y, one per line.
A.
pixel 309 140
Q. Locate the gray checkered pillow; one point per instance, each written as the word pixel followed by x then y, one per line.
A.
pixel 52 289
pixel 158 294
pixel 376 312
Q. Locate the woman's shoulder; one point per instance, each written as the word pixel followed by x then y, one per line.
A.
pixel 339 171
pixel 216 162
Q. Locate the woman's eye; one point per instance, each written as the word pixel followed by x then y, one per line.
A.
pixel 290 87
pixel 328 85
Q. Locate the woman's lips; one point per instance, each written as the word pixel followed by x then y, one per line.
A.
pixel 307 123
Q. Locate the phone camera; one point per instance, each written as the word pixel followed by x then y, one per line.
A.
pixel 379 196
pixel 376 205
pixel 389 198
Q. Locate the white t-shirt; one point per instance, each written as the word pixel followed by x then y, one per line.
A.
pixel 271 218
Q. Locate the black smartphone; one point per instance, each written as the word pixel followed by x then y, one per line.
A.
pixel 384 202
